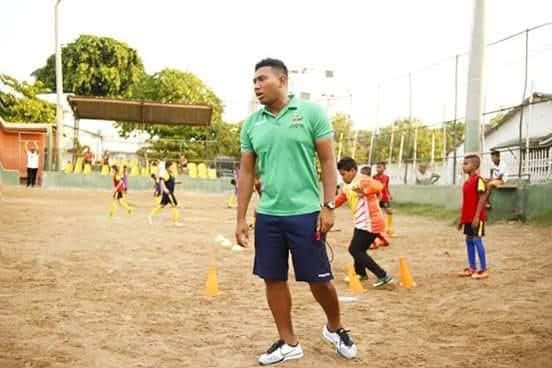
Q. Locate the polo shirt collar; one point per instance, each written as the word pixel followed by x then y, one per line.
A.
pixel 293 104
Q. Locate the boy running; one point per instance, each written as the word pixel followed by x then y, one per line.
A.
pixel 119 194
pixel 385 200
pixel 473 216
pixel 167 183
pixel 156 189
pixel 361 192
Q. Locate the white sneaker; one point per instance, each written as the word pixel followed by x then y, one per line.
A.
pixel 343 343
pixel 279 352
pixel 178 224
pixel 150 220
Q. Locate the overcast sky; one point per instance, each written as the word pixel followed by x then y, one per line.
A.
pixel 366 42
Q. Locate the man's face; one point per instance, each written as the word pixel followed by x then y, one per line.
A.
pixel 32 149
pixel 348 175
pixel 380 169
pixel 422 169
pixel 496 159
pixel 269 83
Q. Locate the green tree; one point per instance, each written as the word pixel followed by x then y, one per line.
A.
pixel 171 85
pixel 94 66
pixel 21 104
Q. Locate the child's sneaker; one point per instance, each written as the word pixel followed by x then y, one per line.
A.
pixel 481 274
pixel 468 272
pixel 383 281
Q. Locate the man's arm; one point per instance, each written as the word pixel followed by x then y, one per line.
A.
pixel 325 150
pixel 246 182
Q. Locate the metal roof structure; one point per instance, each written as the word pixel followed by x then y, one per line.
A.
pixel 141 112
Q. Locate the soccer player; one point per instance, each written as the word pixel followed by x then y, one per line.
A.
pixel 119 193
pixel 385 200
pixel 473 216
pixel 156 189
pixel 361 192
pixel 167 183
pixel 233 200
pixel 381 238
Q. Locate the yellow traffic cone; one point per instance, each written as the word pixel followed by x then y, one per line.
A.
pixel 406 277
pixel 211 287
pixel 354 283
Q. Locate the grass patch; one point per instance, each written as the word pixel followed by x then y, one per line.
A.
pixel 427 210
pixel 543 219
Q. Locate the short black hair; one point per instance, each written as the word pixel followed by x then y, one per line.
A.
pixel 382 163
pixel 273 63
pixel 366 170
pixel 475 159
pixel 495 153
pixel 347 164
pixel 115 167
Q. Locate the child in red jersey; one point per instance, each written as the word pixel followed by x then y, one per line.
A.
pixel 473 216
pixel 385 200
pixel 119 193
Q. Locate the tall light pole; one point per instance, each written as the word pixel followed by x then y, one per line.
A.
pixel 59 92
pixel 474 105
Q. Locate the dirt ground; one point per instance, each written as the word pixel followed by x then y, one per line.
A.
pixel 78 289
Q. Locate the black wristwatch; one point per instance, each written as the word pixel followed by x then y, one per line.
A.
pixel 329 205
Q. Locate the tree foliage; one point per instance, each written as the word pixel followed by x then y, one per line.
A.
pixel 21 104
pixel 94 66
pixel 175 86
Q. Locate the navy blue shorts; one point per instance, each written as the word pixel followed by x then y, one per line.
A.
pixel 277 236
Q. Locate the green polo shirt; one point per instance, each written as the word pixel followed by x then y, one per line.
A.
pixel 285 150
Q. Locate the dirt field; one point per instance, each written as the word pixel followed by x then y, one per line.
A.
pixel 78 289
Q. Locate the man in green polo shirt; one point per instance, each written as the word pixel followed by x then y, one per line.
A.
pixel 280 142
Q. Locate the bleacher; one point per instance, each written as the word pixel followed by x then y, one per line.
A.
pixel 194 170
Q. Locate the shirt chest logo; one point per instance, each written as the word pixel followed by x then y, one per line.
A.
pixel 297 121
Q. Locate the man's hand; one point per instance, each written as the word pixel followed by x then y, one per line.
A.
pixel 242 233
pixel 475 225
pixel 459 226
pixel 326 220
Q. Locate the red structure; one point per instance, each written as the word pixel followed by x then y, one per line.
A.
pixel 14 137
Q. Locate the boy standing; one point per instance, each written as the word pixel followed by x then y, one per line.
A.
pixel 385 200
pixel 119 194
pixel 361 192
pixel 473 216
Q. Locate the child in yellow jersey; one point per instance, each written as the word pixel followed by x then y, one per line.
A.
pixel 167 183
pixel 361 192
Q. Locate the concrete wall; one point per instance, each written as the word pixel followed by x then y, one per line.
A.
pixel 509 203
pixel 97 181
pixel 448 196
pixel 539 200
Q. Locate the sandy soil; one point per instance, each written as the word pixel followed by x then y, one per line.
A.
pixel 78 289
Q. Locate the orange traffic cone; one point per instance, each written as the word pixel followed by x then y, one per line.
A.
pixel 354 283
pixel 406 277
pixel 211 287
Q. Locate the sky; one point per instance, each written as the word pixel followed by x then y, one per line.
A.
pixel 366 43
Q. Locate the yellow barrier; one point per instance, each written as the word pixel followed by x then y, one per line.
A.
pixel 192 170
pixel 78 166
pixel 202 171
pixel 212 173
pixel 105 170
pixel 87 169
pixel 68 168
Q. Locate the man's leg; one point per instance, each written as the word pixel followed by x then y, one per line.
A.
pixel 325 294
pixel 278 297
pixel 29 174
pixel 34 172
